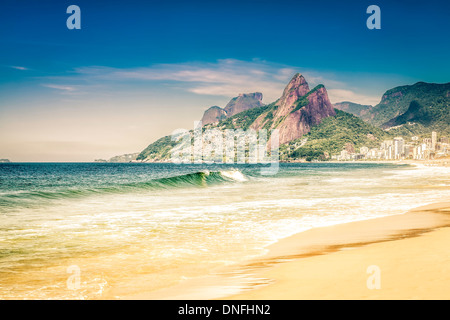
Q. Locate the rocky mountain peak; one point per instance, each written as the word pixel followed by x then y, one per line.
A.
pixel 307 111
pixel 242 102
pixel 213 114
pixel 296 88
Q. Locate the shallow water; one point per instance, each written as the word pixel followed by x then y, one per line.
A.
pixel 157 224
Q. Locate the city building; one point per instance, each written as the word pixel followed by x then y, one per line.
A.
pixel 398 149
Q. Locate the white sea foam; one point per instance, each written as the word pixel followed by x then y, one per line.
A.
pixel 236 175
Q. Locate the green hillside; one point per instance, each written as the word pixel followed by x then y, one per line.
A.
pixel 396 101
pixel 242 120
pixel 332 134
pixel 158 150
pixel 324 140
pixel 421 118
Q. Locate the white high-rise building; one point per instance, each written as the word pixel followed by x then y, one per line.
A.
pixel 399 146
pixel 433 140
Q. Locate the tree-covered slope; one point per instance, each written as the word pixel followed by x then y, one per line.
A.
pixel 158 150
pixel 332 134
pixel 430 117
pixel 396 101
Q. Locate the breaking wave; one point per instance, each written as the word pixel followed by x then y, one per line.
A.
pixel 203 178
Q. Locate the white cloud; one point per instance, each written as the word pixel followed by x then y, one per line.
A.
pixel 19 68
pixel 60 87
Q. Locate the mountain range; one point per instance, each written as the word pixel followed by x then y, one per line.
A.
pixel 412 101
pixel 310 127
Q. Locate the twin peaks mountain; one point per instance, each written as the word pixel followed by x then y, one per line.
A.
pixel 310 127
pixel 297 111
pixel 294 114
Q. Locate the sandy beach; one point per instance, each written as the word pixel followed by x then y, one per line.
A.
pixel 410 250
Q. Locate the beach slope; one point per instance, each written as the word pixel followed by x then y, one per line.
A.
pixel 404 256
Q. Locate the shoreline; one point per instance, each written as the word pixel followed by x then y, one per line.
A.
pixel 445 162
pixel 331 262
pixel 409 249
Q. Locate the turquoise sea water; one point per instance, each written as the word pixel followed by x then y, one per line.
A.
pixel 150 226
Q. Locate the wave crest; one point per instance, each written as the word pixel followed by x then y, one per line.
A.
pixel 203 178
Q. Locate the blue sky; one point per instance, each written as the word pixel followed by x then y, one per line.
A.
pixel 137 70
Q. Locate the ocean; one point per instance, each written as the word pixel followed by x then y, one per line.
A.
pixel 82 230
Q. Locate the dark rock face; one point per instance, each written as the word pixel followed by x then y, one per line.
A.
pixel 243 102
pixel 213 114
pixel 236 105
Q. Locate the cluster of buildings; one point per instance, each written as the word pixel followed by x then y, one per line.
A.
pixel 399 148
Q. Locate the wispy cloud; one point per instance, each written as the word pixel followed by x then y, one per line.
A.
pixel 61 87
pixel 19 68
pixel 71 91
pixel 227 77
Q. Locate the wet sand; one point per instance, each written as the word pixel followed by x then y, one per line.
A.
pixel 410 251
